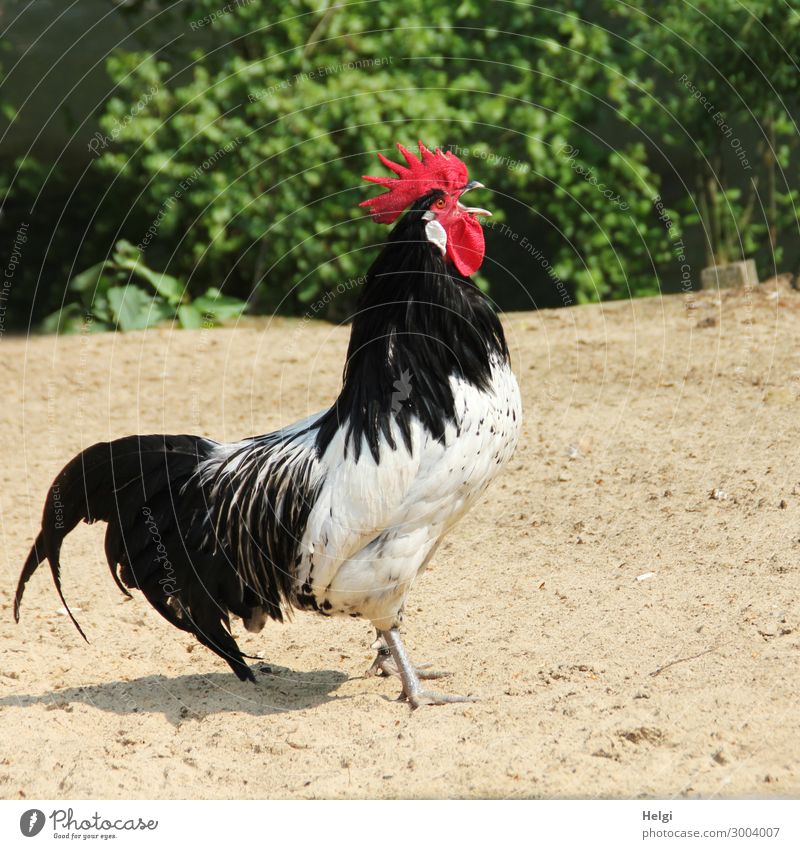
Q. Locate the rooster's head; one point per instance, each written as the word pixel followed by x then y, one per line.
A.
pixel 451 227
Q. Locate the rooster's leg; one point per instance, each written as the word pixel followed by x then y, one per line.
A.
pixel 412 690
pixel 384 664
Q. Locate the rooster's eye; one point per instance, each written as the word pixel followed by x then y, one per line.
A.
pixel 440 204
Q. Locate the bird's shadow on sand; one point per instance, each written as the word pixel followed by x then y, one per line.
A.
pixel 194 697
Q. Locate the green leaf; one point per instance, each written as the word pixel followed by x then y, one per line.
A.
pixel 134 309
pixel 63 320
pixel 90 280
pixel 99 309
pixel 222 307
pixel 124 250
pixel 190 317
pixel 165 285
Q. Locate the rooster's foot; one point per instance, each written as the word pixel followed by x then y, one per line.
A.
pixel 384 665
pixel 426 697
pixel 409 675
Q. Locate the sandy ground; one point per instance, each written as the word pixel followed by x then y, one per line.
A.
pixel 624 601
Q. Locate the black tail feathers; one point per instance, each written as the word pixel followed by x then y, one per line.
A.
pixel 159 537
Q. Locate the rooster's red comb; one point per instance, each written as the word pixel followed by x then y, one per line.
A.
pixel 431 171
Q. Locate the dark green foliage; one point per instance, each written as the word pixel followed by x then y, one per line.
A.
pixel 726 109
pixel 231 145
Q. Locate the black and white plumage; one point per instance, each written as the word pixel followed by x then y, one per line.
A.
pixel 338 513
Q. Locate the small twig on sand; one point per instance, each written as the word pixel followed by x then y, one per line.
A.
pixel 681 660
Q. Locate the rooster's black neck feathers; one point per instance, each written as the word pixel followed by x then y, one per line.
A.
pixel 418 323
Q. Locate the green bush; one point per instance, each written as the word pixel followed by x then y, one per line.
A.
pixel 726 111
pixel 230 148
pixel 249 147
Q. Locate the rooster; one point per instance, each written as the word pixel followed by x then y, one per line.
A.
pixel 338 513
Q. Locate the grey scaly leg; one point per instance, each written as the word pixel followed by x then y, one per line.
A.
pixel 412 689
pixel 385 665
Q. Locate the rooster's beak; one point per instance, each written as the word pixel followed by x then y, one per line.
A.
pixel 473 210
